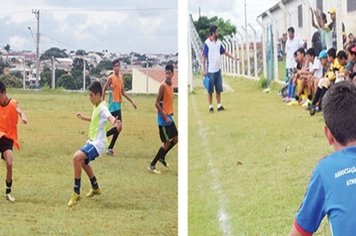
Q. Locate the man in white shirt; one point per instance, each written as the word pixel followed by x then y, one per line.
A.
pixel 292 45
pixel 212 51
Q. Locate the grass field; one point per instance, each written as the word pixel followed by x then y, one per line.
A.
pixel 250 164
pixel 133 201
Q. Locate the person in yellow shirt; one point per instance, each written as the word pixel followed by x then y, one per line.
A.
pixel 9 113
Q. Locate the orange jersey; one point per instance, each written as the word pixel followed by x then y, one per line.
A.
pixel 116 85
pixel 8 122
pixel 167 99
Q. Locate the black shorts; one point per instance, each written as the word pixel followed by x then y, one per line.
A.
pixel 5 144
pixel 168 132
pixel 117 114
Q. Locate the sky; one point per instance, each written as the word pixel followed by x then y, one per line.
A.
pixel 232 10
pixel 143 26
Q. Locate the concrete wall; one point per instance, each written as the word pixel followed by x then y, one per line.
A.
pixel 139 83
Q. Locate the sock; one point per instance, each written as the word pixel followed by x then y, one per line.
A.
pixel 210 106
pixel 310 97
pixel 77 186
pixel 94 183
pixel 8 186
pixel 296 98
pixel 160 155
pixel 219 105
pixel 322 93
pixel 317 96
pixel 171 145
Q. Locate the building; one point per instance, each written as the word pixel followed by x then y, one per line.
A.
pixel 148 80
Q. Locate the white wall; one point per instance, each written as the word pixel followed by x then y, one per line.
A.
pixel 139 81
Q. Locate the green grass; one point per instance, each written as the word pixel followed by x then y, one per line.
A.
pixel 133 201
pixel 254 160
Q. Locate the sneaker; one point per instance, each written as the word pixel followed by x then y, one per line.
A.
pixel 93 192
pixel 74 199
pixel 313 110
pixel 10 198
pixel 110 152
pixel 211 109
pixel 220 108
pixel 164 162
pixel 293 103
pixel 306 103
pixel 153 170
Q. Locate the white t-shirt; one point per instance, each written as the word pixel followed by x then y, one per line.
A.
pixel 99 142
pixel 317 67
pixel 212 51
pixel 291 47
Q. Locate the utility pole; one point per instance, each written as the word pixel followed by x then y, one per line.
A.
pixel 37 15
pixel 247 44
pixel 83 73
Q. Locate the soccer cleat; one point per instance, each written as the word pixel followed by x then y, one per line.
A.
pixel 220 108
pixel 110 152
pixel 164 162
pixel 313 110
pixel 293 103
pixel 211 109
pixel 10 198
pixel 74 199
pixel 93 192
pixel 153 170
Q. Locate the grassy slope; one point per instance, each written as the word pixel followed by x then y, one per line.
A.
pixel 264 153
pixel 133 201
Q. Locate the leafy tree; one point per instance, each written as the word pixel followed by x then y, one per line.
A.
pixel 46 76
pixel 80 52
pixel 105 65
pixel 7 48
pixel 54 52
pixel 78 64
pixel 203 23
pixel 11 81
pixel 3 64
pixel 66 81
pixel 127 81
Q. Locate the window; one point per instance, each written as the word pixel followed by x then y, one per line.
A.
pixel 319 5
pixel 300 16
pixel 351 5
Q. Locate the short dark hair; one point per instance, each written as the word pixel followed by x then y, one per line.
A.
pixel 323 16
pixel 311 52
pixel 332 52
pixel 95 87
pixel 339 106
pixel 291 29
pixel 212 29
pixel 341 54
pixel 169 67
pixel 2 87
pixel 300 50
pixel 115 62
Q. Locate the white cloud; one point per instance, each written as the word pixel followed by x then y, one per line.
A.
pixel 18 42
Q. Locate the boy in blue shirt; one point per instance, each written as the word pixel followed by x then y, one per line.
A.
pixel 332 185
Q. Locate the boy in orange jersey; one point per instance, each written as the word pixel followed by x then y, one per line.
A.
pixel 167 129
pixel 116 82
pixel 9 112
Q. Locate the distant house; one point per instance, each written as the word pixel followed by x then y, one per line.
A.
pixel 148 80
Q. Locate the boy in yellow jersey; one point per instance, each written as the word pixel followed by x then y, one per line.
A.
pixel 116 82
pixel 167 129
pixel 9 112
pixel 96 143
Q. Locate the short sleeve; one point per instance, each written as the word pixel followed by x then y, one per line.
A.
pixel 104 112
pixel 312 209
pixel 349 66
pixel 222 49
pixel 205 50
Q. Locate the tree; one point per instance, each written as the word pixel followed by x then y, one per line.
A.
pixel 78 64
pixel 127 81
pixel 105 65
pixel 46 76
pixel 66 81
pixel 11 81
pixel 203 23
pixel 7 48
pixel 80 52
pixel 54 52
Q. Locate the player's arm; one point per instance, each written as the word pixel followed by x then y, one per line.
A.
pixel 203 58
pixel 158 105
pixel 123 92
pixel 83 117
pixel 21 114
pixel 105 87
pixel 230 55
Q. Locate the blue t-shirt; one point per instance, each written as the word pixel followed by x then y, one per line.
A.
pixel 162 122
pixel 331 192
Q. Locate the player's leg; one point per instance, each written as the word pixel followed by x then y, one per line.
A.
pixel 211 91
pixel 172 134
pixel 8 156
pixel 78 158
pixel 219 90
pixel 114 132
